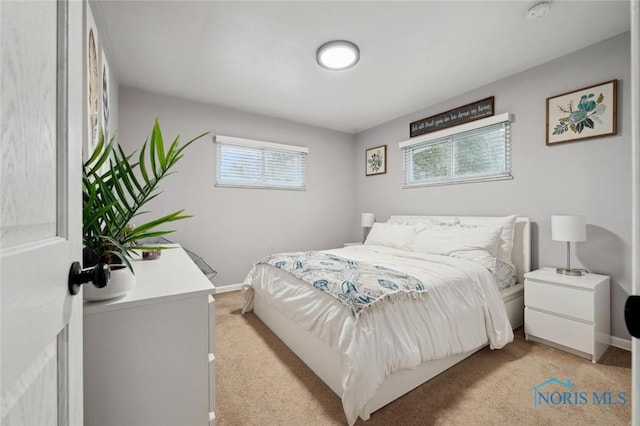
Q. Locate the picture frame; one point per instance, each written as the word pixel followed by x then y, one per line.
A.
pixel 376 161
pixel 93 87
pixel 587 113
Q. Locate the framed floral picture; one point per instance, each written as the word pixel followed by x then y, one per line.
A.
pixel 376 161
pixel 582 114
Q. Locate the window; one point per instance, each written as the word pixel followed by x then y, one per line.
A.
pixel 471 152
pixel 257 164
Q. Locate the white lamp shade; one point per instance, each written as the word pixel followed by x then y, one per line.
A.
pixel 568 228
pixel 367 220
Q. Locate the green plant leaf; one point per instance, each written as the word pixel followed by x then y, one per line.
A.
pixel 97 152
pixel 171 217
pixel 143 167
pixel 118 249
pixel 118 187
pixel 156 137
pixel 152 158
pixel 128 168
pixel 126 181
pixel 171 153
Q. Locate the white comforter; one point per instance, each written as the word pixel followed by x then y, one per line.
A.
pixel 463 310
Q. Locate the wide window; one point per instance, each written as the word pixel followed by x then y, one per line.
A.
pixel 256 164
pixel 476 151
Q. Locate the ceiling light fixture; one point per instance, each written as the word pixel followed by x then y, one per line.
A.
pixel 538 10
pixel 338 55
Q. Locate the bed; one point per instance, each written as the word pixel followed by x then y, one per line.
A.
pixel 320 332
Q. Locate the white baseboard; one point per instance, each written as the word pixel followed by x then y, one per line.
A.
pixel 621 343
pixel 235 287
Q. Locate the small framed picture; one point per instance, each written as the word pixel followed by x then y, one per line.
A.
pixel 582 114
pixel 376 161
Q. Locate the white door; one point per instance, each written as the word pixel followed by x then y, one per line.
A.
pixel 40 211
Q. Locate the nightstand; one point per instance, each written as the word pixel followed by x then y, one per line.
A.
pixel 357 243
pixel 568 313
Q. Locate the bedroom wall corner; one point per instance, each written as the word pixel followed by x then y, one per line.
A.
pixel 234 227
pixel 591 177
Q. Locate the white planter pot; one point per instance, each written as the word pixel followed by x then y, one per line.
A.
pixel 121 282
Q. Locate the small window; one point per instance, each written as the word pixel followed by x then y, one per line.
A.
pixel 257 164
pixel 474 152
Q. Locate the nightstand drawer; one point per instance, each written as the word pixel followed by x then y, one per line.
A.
pixel 569 301
pixel 566 332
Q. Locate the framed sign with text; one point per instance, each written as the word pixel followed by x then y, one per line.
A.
pixel 464 114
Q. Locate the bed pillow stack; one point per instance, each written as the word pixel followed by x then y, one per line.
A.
pixel 485 240
pixel 477 244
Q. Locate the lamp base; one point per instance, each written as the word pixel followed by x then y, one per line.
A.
pixel 571 272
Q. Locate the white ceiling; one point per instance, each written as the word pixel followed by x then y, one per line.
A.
pixel 260 56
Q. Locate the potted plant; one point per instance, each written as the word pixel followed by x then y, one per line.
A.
pixel 115 187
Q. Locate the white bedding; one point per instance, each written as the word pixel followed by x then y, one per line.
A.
pixel 462 311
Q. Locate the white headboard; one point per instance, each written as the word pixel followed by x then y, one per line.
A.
pixel 521 253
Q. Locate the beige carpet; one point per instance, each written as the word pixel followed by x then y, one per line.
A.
pixel 259 381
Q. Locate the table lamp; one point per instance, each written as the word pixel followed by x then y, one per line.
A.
pixel 568 228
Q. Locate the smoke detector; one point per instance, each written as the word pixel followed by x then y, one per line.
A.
pixel 538 10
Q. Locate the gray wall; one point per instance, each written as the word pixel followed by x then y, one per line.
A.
pixel 235 227
pixel 591 177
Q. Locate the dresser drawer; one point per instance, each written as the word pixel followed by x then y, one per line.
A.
pixel 569 301
pixel 566 332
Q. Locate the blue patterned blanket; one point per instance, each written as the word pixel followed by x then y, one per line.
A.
pixel 357 285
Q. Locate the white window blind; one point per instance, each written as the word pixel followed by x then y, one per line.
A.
pixel 256 164
pixel 481 152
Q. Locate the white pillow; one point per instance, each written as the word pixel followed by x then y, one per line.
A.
pixel 507 223
pixel 426 220
pixel 477 244
pixel 390 235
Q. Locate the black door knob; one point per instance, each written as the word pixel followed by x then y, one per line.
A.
pixel 98 275
pixel 632 315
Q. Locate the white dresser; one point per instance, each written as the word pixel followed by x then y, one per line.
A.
pixel 148 357
pixel 569 313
